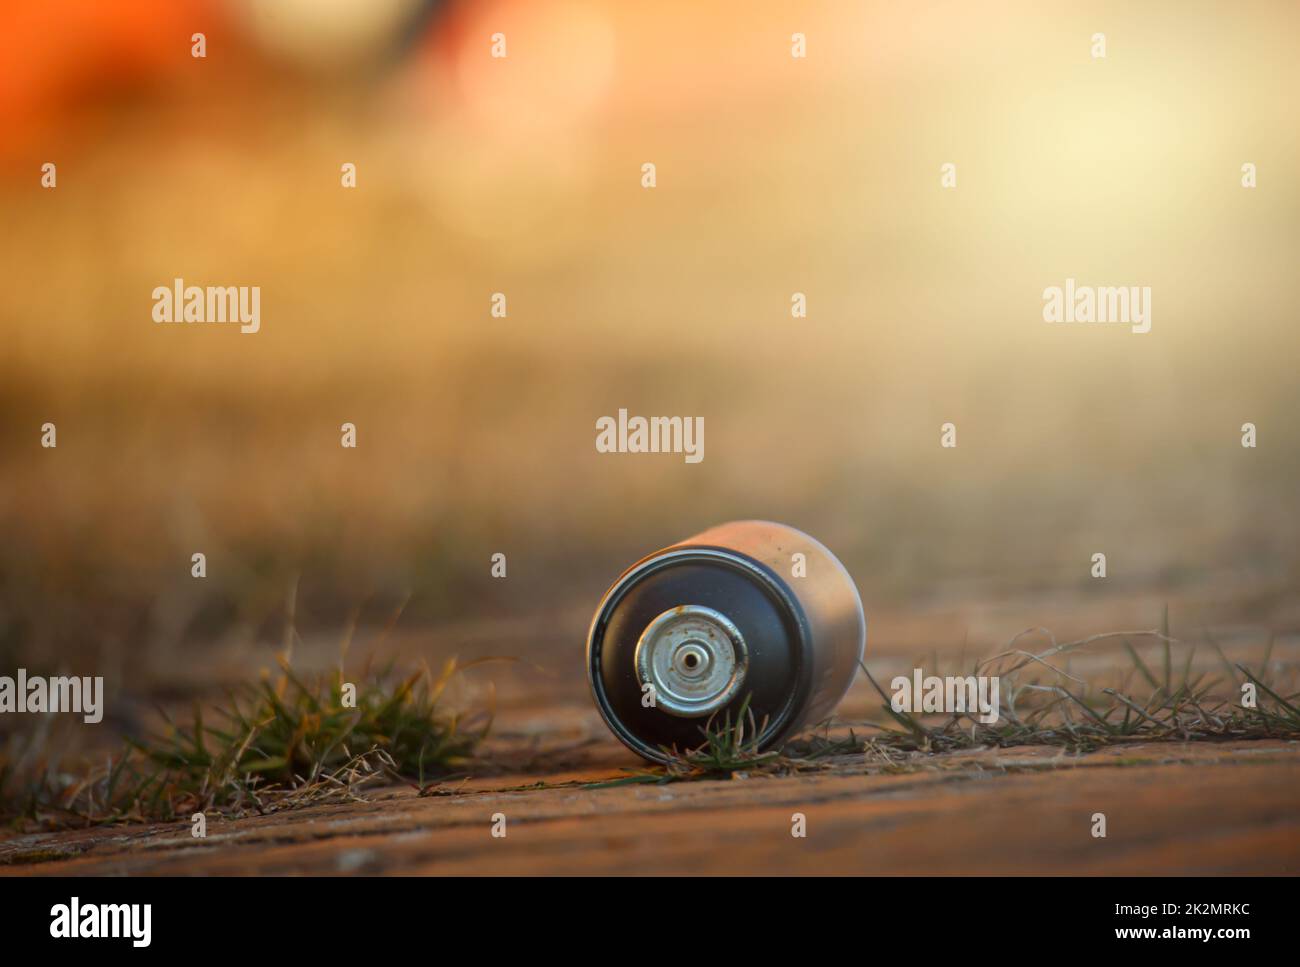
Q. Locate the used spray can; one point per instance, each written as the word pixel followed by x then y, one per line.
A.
pixel 750 609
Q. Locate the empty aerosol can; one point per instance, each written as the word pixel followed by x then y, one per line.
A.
pixel 749 609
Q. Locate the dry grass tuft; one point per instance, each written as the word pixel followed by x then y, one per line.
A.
pixel 1040 704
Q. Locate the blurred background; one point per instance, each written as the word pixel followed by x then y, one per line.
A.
pixel 522 175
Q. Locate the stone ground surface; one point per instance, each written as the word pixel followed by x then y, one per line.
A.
pixel 1185 808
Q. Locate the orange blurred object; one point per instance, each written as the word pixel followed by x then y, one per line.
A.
pixel 59 53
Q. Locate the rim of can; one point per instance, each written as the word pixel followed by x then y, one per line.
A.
pixel 780 723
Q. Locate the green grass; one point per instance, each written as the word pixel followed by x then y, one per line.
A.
pixel 272 745
pixel 728 747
